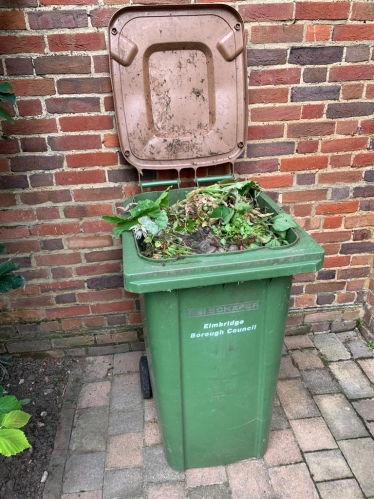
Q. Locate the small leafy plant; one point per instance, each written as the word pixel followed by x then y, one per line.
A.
pixel 12 439
pixel 6 95
pixel 4 364
pixel 218 218
pixel 8 280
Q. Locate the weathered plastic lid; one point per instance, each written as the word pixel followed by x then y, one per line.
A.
pixel 179 84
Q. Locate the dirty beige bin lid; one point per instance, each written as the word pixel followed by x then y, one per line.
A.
pixel 180 85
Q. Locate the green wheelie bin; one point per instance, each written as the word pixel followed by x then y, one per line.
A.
pixel 214 323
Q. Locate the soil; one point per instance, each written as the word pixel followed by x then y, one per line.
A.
pixel 43 381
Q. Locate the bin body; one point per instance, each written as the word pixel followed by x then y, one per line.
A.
pixel 213 328
pixel 214 355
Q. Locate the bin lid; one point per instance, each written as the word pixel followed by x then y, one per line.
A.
pixel 180 84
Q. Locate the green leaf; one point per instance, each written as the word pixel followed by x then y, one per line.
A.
pixel 8 97
pixel 6 87
pixel 283 222
pixel 150 226
pixel 163 200
pixel 145 207
pixel 15 419
pixel 9 403
pixel 9 282
pixel 4 115
pixel 242 207
pixel 2 248
pixel 162 220
pixel 1 391
pixel 113 219
pixel 223 212
pixel 24 401
pixel 12 441
pixel 8 266
pixel 274 243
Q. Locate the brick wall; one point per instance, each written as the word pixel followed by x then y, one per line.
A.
pixel 311 95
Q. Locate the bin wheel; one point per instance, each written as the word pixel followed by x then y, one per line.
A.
pixel 145 382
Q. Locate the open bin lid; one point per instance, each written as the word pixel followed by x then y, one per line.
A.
pixel 180 85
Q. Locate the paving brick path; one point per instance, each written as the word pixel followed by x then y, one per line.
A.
pixel 321 443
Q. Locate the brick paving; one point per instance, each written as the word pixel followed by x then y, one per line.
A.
pixel 321 446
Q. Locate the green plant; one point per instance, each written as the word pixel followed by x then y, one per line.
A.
pixel 8 280
pixel 4 363
pixel 370 344
pixel 6 95
pixel 227 214
pixel 12 418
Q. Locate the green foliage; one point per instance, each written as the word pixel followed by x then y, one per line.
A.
pixel 227 211
pixel 12 439
pixel 6 95
pixel 4 363
pixel 8 280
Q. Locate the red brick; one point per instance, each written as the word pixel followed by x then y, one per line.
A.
pixel 352 91
pixel 106 308
pixel 312 111
pixel 304 163
pixel 68 2
pixel 305 301
pixel 364 159
pixel 61 285
pixel 17 216
pixel 363 11
pixel 367 126
pixel 74 142
pixel 67 311
pixel 275 181
pixel 28 246
pixel 347 177
pixel 356 285
pixel 284 33
pixel 99 296
pixel 307 146
pixel 98 194
pixel 84 211
pixel 103 256
pixel 302 210
pixel 346 127
pixel 100 17
pixel 76 42
pixel 85 123
pixel 108 103
pixel 310 129
pixel 265 132
pixel 62 64
pixel 55 229
pixel 354 32
pixel 352 72
pixel 370 94
pixel 332 237
pixel 98 269
pixel 12 19
pixel 275 113
pixel 101 62
pixel 4 166
pixel 89 242
pixel 65 105
pixel 34 144
pixel 322 10
pixel 94 321
pixel 31 127
pixel 14 232
pixel 55 19
pixel 304 195
pixel 111 140
pixel 332 222
pixel 58 259
pixel 8 146
pixel 94 226
pixel 340 145
pixel 80 177
pixel 48 213
pixel 267 95
pixel 332 208
pixel 32 162
pixel 91 159
pixel 34 86
pixel 19 66
pixel 318 33
pixel 85 85
pixel 31 107
pixel 274 77
pixel 340 160
pixel 345 297
pixel 25 44
pixel 73 325
pixel 362 220
pixel 268 12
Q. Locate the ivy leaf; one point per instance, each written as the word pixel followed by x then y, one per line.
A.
pixel 8 282
pixel 163 200
pixel 4 115
pixel 145 207
pixel 162 220
pixel 12 441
